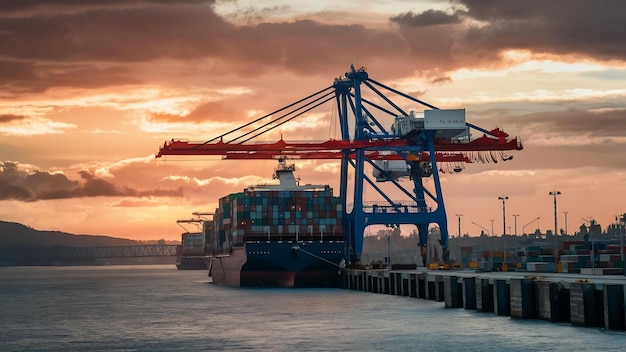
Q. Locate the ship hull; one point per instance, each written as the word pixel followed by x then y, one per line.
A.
pixel 280 264
pixel 192 263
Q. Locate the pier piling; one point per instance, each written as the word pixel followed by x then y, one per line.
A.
pixel 594 302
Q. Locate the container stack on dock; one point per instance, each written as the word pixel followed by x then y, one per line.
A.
pixel 539 258
pixel 601 257
pixel 573 257
pixel 469 257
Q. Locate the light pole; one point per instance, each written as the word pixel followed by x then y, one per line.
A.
pixel 459 238
pixel 523 227
pixel 491 242
pixel 503 199
pixel 621 222
pixel 459 217
pixel 481 227
pixel 490 245
pixel 515 223
pixel 565 212
pixel 556 248
pixel 389 247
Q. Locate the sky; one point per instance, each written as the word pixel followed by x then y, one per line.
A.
pixel 91 89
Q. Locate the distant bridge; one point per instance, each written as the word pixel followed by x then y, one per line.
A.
pixel 26 254
pixel 159 250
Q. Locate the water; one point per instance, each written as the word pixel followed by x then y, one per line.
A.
pixel 157 308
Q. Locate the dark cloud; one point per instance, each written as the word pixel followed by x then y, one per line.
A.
pixel 40 185
pixel 584 27
pixel 114 34
pixel 452 39
pixel 184 32
pixel 8 118
pixel 20 78
pixel 21 8
pixel 79 43
pixel 576 123
pixel 47 44
pixel 426 18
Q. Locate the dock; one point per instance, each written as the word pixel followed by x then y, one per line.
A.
pixel 579 299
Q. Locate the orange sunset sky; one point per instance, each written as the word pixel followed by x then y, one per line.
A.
pixel 91 89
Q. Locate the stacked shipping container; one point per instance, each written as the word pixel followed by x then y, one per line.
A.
pixel 574 256
pixel 259 215
pixel 193 243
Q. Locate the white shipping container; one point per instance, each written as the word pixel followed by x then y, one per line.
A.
pixel 540 267
pixel 445 119
pixel 570 258
pixel 591 271
pixel 448 123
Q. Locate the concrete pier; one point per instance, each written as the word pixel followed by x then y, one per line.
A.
pixel 469 293
pixel 522 298
pixel 585 306
pixel 484 295
pixel 614 307
pixel 439 296
pixel 413 286
pixel 582 300
pixel 501 294
pixel 422 287
pixel 452 297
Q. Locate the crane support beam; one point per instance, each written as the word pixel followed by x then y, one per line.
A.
pixel 333 148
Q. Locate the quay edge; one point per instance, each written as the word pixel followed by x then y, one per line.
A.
pixel 581 300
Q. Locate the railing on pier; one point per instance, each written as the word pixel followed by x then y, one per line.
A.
pixel 382 207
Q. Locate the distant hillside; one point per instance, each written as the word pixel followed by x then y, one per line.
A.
pixel 12 233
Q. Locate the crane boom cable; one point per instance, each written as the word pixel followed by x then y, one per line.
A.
pixel 400 93
pixel 277 119
pixel 377 106
pixel 291 118
pixel 368 114
pixel 264 116
pixel 380 94
pixel 380 127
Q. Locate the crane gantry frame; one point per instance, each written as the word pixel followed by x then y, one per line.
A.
pixel 364 141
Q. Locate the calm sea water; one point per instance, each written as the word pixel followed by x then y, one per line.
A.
pixel 157 308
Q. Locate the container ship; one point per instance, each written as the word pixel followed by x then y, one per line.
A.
pixel 281 235
pixel 190 255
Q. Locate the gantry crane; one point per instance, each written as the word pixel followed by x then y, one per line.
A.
pixel 411 148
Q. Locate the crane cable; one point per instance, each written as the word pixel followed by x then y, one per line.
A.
pixel 289 119
pixel 280 118
pixel 262 117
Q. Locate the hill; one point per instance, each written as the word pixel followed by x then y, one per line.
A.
pixel 12 234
